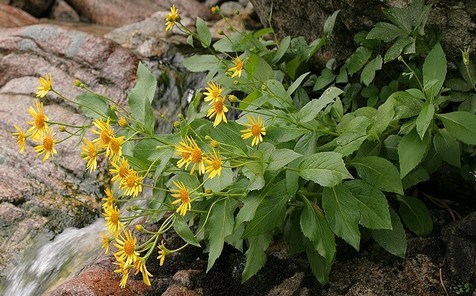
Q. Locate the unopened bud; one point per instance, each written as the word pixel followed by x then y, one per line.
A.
pixel 176 124
pixel 208 191
pixel 214 144
pixel 61 128
pixel 232 98
pixel 465 54
pixel 215 9
pixel 78 83
pixel 236 82
pixel 113 107
pixel 400 58
pixel 139 227
pixel 220 32
pixel 180 116
pixel 237 12
pixel 122 122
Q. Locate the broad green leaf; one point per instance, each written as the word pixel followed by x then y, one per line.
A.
pixel 311 109
pixel 340 207
pixel 415 215
pixel 250 204
pixel 230 134
pixel 414 177
pixel 381 120
pixel 385 32
pixel 279 96
pixel 353 135
pixel 358 59
pixel 323 80
pixel 92 105
pixel 411 151
pixel 270 211
pixel 257 68
pixel 379 173
pixel 424 119
pixel 293 234
pixel 396 49
pixel 461 125
pixel 255 255
pixel 372 204
pixel 319 266
pixel 200 63
pixel 406 105
pixel 141 96
pixel 284 133
pixel 218 183
pixel 329 24
pixel 307 144
pixel 282 48
pixel 390 147
pixel 368 73
pixel 233 43
pixel 280 158
pixel 315 227
pixel 432 161
pixel 219 226
pixel 394 240
pixel 297 83
pixel 447 147
pixel 324 168
pixel 399 17
pixel 182 229
pixel 434 67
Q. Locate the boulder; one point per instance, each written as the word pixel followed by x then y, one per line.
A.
pixel 62 11
pixel 36 8
pixel 11 17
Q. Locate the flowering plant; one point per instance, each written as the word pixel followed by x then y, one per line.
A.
pixel 298 164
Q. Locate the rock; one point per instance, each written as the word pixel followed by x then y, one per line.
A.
pixel 48 197
pixel 185 278
pixel 11 17
pixel 34 7
pixel 63 12
pixel 176 290
pixel 289 286
pixel 230 8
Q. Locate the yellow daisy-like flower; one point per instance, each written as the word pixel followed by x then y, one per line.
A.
pixel 124 270
pixel 21 137
pixel 121 170
pixel 139 266
pixel 113 223
pixel 218 110
pixel 191 153
pixel 89 152
pixel 183 149
pixel 255 129
pixel 104 131
pixel 182 196
pixel 47 146
pixel 237 67
pixel 108 201
pixel 105 242
pixel 214 92
pixel 44 87
pixel 114 148
pixel 126 246
pixel 172 18
pixel 39 124
pixel 214 165
pixel 132 184
pixel 162 253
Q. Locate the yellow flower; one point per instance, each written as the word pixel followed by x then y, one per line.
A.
pixel 214 92
pixel 39 124
pixel 255 129
pixel 218 110
pixel 124 270
pixel 121 170
pixel 89 152
pixel 237 67
pixel 126 246
pixel 182 196
pixel 215 9
pixel 162 253
pixel 105 242
pixel 44 86
pixel 172 18
pixel 21 138
pixel 132 184
pixel 214 165
pixel 113 222
pixel 104 131
pixel 109 199
pixel 47 146
pixel 191 153
pixel 122 122
pixel 114 148
pixel 139 265
pixel 183 149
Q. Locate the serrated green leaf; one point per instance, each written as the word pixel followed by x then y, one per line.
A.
pixel 279 96
pixel 339 205
pixel 461 125
pixel 311 109
pixel 255 255
pixel 319 266
pixel 182 229
pixel 415 215
pixel 434 68
pixel 92 105
pixel 372 204
pixel 358 59
pixel 280 158
pixel 396 49
pixel 326 78
pixel 324 168
pixel 284 133
pixel 368 73
pixel 406 105
pixel 447 147
pixel 200 63
pixel 394 240
pixel 293 234
pixel 353 135
pixel 258 68
pixel 424 119
pixel 233 43
pixel 411 151
pixel 414 177
pixel 381 120
pixel 379 173
pixel 400 17
pixel 385 32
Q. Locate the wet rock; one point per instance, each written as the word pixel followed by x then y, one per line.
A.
pixel 62 11
pixel 11 17
pixel 34 7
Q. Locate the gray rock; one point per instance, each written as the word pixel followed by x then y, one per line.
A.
pixel 62 11
pixel 230 8
pixel 11 17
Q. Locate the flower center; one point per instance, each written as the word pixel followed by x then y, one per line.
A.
pixel 105 138
pixel 48 144
pixel 92 152
pixel 184 196
pixel 218 106
pixel 129 248
pixel 185 155
pixel 123 172
pixel 255 130
pixel 114 217
pixel 131 180
pixel 40 121
pixel 196 155
pixel 114 146
pixel 216 164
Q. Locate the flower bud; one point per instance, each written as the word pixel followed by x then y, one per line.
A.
pixel 78 83
pixel 400 58
pixel 220 32
pixel 61 128
pixel 215 9
pixel 465 54
pixel 113 107
pixel 214 144
pixel 139 227
pixel 208 191
pixel 122 122
pixel 232 98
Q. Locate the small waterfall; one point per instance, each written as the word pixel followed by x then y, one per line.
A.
pixel 56 261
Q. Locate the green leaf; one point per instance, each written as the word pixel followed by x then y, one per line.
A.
pixel 255 255
pixel 411 151
pixel 400 17
pixel 293 234
pixel 182 229
pixel 329 24
pixel 414 177
pixel 394 240
pixel 258 68
pixel 311 109
pixel 358 59
pixel 406 105
pixel 233 43
pixel 279 96
pixel 270 211
pixel 324 168
pixel 284 133
pixel 141 96
pixel 297 83
pixel 385 32
pixel 230 134
pixel 280 158
pixel 250 204
pixel 372 204
pixel 326 78
pixel 220 182
pixel 315 227
pixel 219 226
pixel 424 119
pixel 319 266
pixel 434 67
pixel 353 135
pixel 379 173
pixel 282 48
pixel 447 147
pixel 396 49
pixel 200 63
pixel 381 120
pixel 340 207
pixel 92 105
pixel 368 74
pixel 461 125
pixel 415 215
